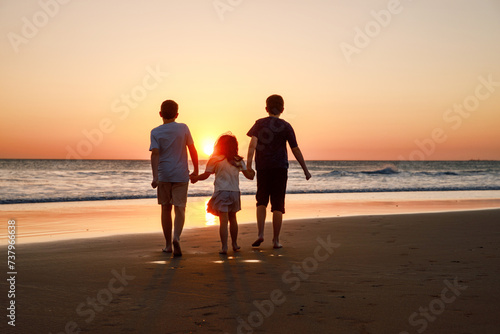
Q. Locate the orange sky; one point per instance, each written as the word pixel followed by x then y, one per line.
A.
pixel 361 79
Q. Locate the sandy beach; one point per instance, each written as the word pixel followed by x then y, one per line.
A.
pixel 387 273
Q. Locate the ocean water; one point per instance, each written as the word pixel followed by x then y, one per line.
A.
pixel 37 181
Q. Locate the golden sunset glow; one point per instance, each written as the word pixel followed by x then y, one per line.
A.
pixel 208 146
pixel 361 80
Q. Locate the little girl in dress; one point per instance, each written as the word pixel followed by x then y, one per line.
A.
pixel 225 202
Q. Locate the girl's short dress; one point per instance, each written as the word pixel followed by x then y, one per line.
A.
pixel 224 201
pixel 226 197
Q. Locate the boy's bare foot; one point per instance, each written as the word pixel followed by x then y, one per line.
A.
pixel 258 242
pixel 223 251
pixel 177 248
pixel 236 248
pixel 167 249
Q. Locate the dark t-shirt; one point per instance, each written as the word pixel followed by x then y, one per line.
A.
pixel 272 134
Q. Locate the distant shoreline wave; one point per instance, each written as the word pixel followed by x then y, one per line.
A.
pixel 393 171
pixel 203 194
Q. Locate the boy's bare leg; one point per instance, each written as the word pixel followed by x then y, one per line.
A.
pixel 277 222
pixel 166 224
pixel 180 216
pixel 233 229
pixel 223 219
pixel 261 220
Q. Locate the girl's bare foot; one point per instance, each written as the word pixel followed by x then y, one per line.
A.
pixel 236 248
pixel 167 249
pixel 223 251
pixel 276 244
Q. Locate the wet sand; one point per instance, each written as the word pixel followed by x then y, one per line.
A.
pixel 44 222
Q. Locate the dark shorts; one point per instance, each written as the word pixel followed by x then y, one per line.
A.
pixel 271 184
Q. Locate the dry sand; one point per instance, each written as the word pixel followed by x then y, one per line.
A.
pixel 409 273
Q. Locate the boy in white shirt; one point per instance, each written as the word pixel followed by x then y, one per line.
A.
pixel 170 172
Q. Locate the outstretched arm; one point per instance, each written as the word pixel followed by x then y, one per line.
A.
pixel 155 161
pixel 300 158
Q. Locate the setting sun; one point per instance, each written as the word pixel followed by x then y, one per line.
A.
pixel 208 146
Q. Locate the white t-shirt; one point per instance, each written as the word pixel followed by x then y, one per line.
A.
pixel 171 140
pixel 227 176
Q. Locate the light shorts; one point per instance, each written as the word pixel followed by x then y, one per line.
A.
pixel 224 201
pixel 174 193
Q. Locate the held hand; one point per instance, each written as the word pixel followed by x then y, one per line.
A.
pixel 193 177
pixel 251 173
pixel 307 174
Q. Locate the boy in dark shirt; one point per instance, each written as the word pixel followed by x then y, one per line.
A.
pixel 268 144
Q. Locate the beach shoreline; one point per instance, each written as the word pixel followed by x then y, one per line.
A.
pixel 355 274
pixel 45 222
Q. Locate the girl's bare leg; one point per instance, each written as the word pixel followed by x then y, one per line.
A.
pixel 223 219
pixel 233 229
